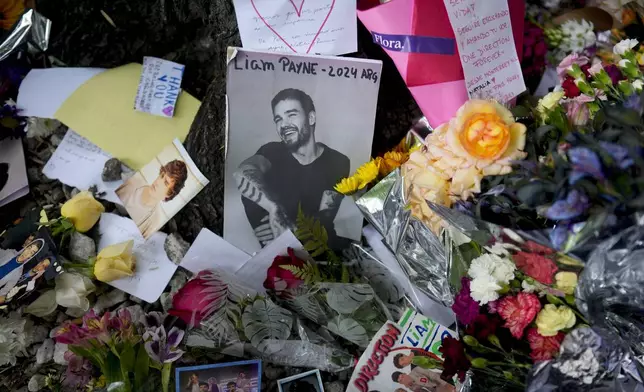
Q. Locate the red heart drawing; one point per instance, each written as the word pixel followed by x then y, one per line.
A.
pixel 298 12
pixel 494 79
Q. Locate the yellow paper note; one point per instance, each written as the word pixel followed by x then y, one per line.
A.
pixel 102 110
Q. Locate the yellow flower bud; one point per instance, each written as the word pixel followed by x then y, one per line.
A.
pixel 551 319
pixel 83 211
pixel 115 262
pixel 566 282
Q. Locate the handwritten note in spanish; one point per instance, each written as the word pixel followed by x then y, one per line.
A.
pixel 486 45
pixel 298 26
pixel 153 267
pixel 79 163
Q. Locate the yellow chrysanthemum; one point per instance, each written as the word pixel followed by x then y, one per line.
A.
pixel 391 161
pixel 362 177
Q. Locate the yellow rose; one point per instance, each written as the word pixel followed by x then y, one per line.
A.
pixel 551 319
pixel 115 262
pixel 566 282
pixel 466 182
pixel 484 133
pixel 83 211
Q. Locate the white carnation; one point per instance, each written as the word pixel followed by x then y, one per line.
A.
pixel 482 266
pixel 503 271
pixel 527 287
pixel 624 45
pixel 484 289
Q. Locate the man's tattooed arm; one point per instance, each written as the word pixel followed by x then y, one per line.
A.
pixel 251 183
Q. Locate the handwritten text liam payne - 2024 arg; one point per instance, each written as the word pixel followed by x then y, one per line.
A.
pixel 286 64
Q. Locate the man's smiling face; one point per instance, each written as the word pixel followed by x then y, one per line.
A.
pixel 293 124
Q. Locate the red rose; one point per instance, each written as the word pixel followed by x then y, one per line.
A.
pixel 544 347
pixel 570 88
pixel 279 279
pixel 191 302
pixel 536 266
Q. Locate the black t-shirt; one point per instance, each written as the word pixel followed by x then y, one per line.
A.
pixel 295 184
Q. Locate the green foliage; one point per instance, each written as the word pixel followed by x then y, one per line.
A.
pixel 309 273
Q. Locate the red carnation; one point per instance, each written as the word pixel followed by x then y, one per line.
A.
pixel 533 247
pixel 536 266
pixel 544 347
pixel 518 312
pixel 483 326
pixel 279 279
pixel 455 361
pixel 570 87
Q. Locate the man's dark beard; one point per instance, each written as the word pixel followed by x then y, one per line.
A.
pixel 302 139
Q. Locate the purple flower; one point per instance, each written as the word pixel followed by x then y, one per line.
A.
pixel 559 235
pixel 11 123
pixel 575 204
pixel 162 348
pixel 615 74
pixel 465 308
pixel 585 162
pixel 152 320
pixel 78 373
pixel 634 102
pixel 619 154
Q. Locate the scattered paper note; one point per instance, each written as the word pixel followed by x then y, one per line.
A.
pixel 79 163
pixel 483 31
pixel 13 171
pixel 153 267
pixel 298 26
pixel 159 87
pixel 98 105
pixel 253 272
pixel 210 251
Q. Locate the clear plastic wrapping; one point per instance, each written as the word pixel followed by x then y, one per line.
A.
pixel 32 28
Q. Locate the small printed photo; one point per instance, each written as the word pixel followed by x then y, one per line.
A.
pixel 303 382
pixel 154 194
pixel 407 376
pixel 244 376
pixel 34 263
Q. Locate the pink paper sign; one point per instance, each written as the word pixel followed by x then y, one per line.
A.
pixel 485 42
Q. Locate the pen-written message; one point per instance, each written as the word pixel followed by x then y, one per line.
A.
pixel 483 33
pixel 298 26
pixel 245 61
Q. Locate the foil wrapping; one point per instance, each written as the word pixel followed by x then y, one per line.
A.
pixel 32 29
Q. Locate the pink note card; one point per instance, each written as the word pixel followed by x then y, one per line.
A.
pixel 485 42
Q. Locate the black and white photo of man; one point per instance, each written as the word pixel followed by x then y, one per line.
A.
pixel 292 135
pixel 295 172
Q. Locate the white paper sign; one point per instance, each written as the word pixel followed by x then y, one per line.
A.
pixel 298 26
pixel 153 267
pixel 483 33
pixel 210 251
pixel 79 163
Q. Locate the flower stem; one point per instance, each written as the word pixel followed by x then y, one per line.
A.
pixel 165 376
pixel 518 365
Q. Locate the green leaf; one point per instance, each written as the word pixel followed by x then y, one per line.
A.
pixel 112 369
pixel 141 368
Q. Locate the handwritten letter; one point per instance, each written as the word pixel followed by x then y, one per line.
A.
pixel 298 26
pixel 486 45
pixel 79 163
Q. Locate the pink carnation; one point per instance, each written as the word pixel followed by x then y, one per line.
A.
pixel 543 347
pixel 518 312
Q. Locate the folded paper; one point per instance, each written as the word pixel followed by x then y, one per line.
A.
pixel 98 105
